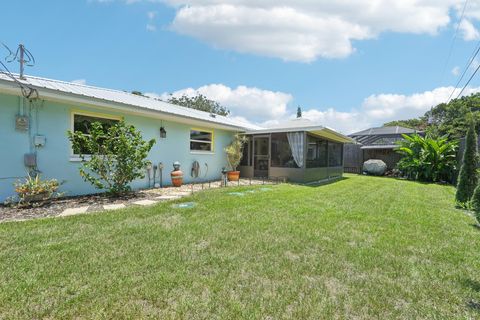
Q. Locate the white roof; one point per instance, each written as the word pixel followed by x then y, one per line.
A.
pixel 133 101
pixel 303 124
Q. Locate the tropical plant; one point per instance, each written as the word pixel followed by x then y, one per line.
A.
pixel 427 159
pixel 33 189
pixel 200 102
pixel 235 151
pixel 468 176
pixel 113 157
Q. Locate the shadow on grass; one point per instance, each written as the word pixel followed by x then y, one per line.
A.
pixel 475 286
pixel 323 182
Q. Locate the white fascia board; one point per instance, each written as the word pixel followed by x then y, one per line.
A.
pixel 75 101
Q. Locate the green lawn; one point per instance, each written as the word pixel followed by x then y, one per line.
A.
pixel 360 248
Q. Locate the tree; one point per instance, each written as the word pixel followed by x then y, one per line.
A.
pixel 234 151
pixel 419 124
pixel 468 178
pixel 200 102
pixel 112 157
pixel 299 112
pixel 447 119
pixel 426 158
pixel 476 203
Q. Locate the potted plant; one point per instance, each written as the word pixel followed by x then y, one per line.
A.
pixel 234 156
pixel 34 189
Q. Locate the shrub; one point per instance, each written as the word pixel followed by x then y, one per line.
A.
pixel 427 159
pixel 476 203
pixel 116 155
pixel 234 151
pixel 35 190
pixel 468 177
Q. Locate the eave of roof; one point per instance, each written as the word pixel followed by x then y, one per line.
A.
pixel 320 131
pixel 126 102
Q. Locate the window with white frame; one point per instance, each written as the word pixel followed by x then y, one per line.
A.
pixel 201 140
pixel 83 123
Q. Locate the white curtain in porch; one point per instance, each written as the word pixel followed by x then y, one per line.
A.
pixel 295 140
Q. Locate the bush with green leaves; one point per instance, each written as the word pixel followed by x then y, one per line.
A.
pixel 234 151
pixel 427 159
pixel 112 156
pixel 468 177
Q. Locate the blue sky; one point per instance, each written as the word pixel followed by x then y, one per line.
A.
pixel 349 66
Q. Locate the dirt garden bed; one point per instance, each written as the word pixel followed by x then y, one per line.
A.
pixel 99 202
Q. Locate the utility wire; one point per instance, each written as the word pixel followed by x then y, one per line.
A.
pixel 454 38
pixel 467 66
pixel 466 84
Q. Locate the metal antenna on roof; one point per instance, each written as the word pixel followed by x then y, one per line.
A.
pixel 23 56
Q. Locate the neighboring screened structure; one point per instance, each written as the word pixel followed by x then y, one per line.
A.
pixel 375 143
pixel 298 152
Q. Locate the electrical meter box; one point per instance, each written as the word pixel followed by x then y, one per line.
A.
pixel 39 140
pixel 30 160
pixel 21 123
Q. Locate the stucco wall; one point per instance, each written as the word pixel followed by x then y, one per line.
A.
pixel 54 159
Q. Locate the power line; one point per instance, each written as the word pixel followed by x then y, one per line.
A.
pixel 466 84
pixel 467 66
pixel 454 38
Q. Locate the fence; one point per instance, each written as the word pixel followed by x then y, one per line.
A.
pixel 352 158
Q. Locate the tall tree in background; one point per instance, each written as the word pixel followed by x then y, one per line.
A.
pixel 200 102
pixel 299 112
pixel 419 124
pixel 468 178
pixel 447 119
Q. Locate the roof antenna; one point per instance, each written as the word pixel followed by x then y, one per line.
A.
pixel 24 57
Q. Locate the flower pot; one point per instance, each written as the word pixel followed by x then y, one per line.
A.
pixel 36 197
pixel 177 178
pixel 233 175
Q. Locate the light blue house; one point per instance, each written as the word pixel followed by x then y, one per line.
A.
pixel 36 113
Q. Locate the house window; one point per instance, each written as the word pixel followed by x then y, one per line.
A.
pixel 335 154
pixel 316 152
pixel 281 152
pixel 201 140
pixel 83 123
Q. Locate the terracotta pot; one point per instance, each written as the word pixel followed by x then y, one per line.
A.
pixel 233 175
pixel 177 178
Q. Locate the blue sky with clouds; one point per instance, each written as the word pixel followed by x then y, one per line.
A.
pixel 350 65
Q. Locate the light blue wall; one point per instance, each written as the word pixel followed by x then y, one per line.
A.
pixel 54 120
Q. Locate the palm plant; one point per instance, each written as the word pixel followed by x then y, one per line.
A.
pixel 426 158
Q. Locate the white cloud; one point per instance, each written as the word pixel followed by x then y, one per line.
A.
pixel 255 104
pixel 265 107
pixel 304 30
pixel 381 108
pixel 468 31
pixel 151 27
pixel 456 71
pixel 79 81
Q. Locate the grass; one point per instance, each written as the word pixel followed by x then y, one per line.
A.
pixel 360 248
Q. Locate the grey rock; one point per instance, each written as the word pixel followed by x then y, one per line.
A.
pixel 374 167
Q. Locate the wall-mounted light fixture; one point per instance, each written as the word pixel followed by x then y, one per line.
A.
pixel 163 132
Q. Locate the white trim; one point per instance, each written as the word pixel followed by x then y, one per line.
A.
pixel 202 152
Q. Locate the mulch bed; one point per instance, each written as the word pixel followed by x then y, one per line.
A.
pixel 95 202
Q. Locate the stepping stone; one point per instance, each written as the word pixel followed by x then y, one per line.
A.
pixel 145 202
pixel 181 193
pixel 73 211
pixel 114 206
pixel 167 197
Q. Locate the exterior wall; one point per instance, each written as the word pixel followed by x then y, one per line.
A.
pixel 53 120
